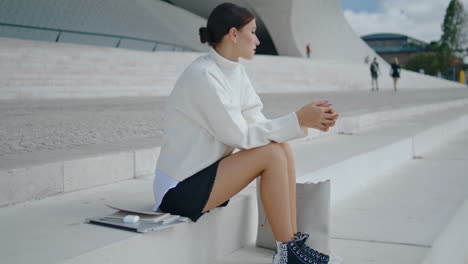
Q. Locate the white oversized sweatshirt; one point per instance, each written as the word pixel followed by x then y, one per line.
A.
pixel 212 110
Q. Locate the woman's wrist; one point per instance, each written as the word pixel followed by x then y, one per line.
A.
pixel 299 118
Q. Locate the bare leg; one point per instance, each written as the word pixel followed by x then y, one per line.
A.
pixel 236 171
pixel 292 184
pixel 394 83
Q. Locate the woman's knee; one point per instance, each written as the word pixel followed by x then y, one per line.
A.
pixel 290 157
pixel 286 147
pixel 274 153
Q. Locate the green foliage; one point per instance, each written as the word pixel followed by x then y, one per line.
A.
pixel 441 54
pixel 454 37
pixel 434 46
pixel 429 61
pixel 418 45
pixel 453 27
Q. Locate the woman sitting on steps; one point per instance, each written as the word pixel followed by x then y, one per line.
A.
pixel 212 110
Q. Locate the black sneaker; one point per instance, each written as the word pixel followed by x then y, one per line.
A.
pixel 296 253
pixel 301 238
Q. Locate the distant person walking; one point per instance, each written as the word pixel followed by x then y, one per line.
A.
pixel 308 50
pixel 375 71
pixel 395 72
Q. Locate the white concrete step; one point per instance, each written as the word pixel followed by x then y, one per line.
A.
pixel 450 245
pixel 63 57
pixel 79 76
pixel 67 52
pixel 411 206
pixel 414 213
pixel 53 230
pixel 353 160
pixel 45 67
pixel 72 81
pixel 154 61
pixel 79 91
pixel 248 254
pixel 165 65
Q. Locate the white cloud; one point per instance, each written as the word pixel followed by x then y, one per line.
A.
pixel 421 19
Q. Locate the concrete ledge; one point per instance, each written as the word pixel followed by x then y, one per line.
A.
pixel 22 184
pixel 351 123
pixel 414 202
pixel 450 246
pixel 52 230
pixel 145 161
pixel 219 233
pixel 105 169
pixel 425 142
pixel 352 162
pixel 80 170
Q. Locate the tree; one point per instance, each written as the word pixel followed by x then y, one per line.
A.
pixel 428 61
pixel 453 31
pixel 453 41
pixel 443 55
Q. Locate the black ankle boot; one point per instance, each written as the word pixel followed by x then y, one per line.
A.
pixel 297 252
pixel 323 258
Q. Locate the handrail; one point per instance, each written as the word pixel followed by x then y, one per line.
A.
pixel 60 31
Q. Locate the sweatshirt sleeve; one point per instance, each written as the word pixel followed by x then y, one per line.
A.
pixel 252 105
pixel 224 119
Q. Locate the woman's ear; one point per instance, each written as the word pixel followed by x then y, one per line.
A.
pixel 233 34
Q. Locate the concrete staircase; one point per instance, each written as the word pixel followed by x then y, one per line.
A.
pixel 383 165
pixel 380 175
pixel 35 69
pixel 36 175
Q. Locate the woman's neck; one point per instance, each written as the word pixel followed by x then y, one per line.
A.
pixel 227 52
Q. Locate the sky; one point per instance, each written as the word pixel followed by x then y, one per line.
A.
pixel 420 19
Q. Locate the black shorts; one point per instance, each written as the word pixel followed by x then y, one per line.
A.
pixel 190 196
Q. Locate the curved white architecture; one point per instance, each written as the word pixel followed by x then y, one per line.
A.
pixel 145 19
pixel 291 24
pixel 285 27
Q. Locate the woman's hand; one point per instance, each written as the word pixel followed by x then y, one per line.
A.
pixel 319 115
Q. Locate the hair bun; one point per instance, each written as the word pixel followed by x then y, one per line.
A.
pixel 204 35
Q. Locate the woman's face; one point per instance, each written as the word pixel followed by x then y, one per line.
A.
pixel 247 40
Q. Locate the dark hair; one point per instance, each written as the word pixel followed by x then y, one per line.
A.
pixel 224 17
